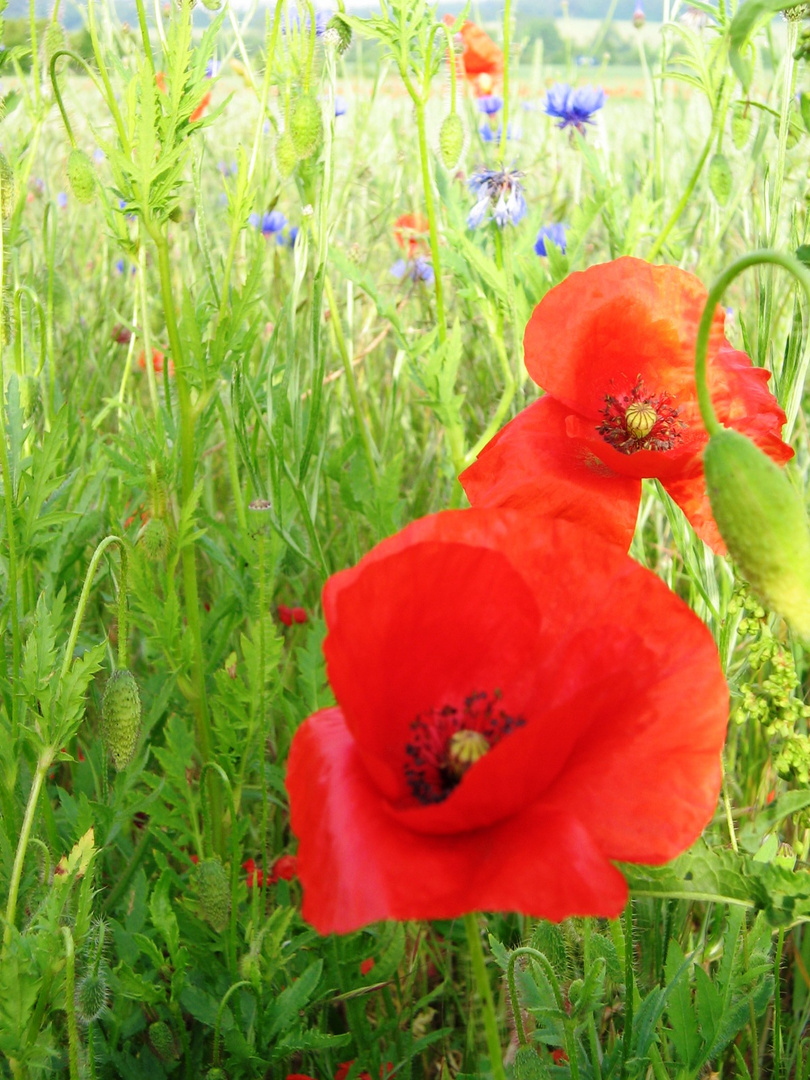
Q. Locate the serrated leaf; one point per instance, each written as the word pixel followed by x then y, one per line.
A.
pixel 295 997
pixel 684 1033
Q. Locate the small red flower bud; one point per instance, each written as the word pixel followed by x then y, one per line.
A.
pixel 299 615
pixel 367 965
pixel 285 614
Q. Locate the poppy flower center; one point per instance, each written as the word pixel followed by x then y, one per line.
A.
pixel 446 742
pixel 640 420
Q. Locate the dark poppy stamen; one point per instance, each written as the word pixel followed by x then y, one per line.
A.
pixel 640 420
pixel 446 742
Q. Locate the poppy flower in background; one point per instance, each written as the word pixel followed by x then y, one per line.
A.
pixel 158 360
pixel 614 349
pixel 481 59
pixel 290 615
pixel 518 707
pixel 410 231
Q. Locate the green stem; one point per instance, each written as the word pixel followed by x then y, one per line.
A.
pixel 212 767
pixel 629 988
pixel 83 598
pixel 351 382
pixel 507 13
pixel 218 1025
pixel 70 1003
pixel 43 764
pixel 753 258
pixel 485 993
pixel 777 1005
pixel 32 19
pixel 431 212
pixel 123 881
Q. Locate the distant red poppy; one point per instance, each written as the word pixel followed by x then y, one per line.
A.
pixel 367 965
pixel 344 1069
pixel 512 718
pixel 481 57
pixel 158 360
pixel 299 1076
pixel 285 868
pixel 160 79
pixel 253 876
pixel 410 231
pixel 290 615
pixel 198 112
pixel 614 349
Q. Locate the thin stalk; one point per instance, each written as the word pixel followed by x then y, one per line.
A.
pixel 777 1005
pixel 123 881
pixel 351 381
pixel 32 19
pixel 220 1011
pixel 83 598
pixel 629 988
pixel 431 210
pixel 507 16
pixel 146 334
pixel 70 1003
pixel 43 764
pixel 485 993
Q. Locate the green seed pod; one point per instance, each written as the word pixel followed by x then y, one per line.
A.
pixel 153 539
pixel 720 178
pixel 762 519
pixel 528 1065
pixel 121 717
pixel 161 1038
pixel 344 32
pixel 214 892
pixel 8 188
pixel 286 157
pixel 93 994
pixel 451 140
pixel 306 126
pixel 81 175
pixel 742 120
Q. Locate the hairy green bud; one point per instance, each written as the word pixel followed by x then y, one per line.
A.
pixel 720 178
pixel 286 157
pixel 762 519
pixel 343 30
pixel 8 188
pixel 451 140
pixel 306 125
pixel 153 539
pixel 216 1074
pixel 528 1065
pixel 742 120
pixel 121 717
pixel 161 1038
pixel 214 892
pixel 81 175
pixel 93 994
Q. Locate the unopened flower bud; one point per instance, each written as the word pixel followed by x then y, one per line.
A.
pixel 343 30
pixel 163 1042
pixel 286 157
pixel 306 126
pixel 93 994
pixel 742 120
pixel 528 1065
pixel 214 892
pixel 639 18
pixel 81 175
pixel 153 539
pixel 451 140
pixel 720 178
pixel 762 519
pixel 121 717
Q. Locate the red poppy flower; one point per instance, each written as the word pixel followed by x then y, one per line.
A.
pixel 520 704
pixel 299 1076
pixel 252 875
pixel 160 79
pixel 410 230
pixel 481 56
pixel 367 965
pixel 614 349
pixel 158 360
pixel 290 615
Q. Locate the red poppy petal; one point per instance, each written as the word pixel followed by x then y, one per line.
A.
pixel 358 865
pixel 481 54
pixel 743 401
pixel 456 620
pixel 533 465
pixel 600 329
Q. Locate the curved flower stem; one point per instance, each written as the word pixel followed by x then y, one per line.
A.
pixel 754 258
pixel 218 1025
pixel 84 596
pixel 43 764
pixel 548 971
pixel 485 992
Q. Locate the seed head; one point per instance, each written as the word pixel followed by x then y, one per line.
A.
pixel 214 892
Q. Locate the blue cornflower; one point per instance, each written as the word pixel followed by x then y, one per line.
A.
pixel 488 135
pixel 574 108
pixel 341 107
pixel 119 266
pixel 254 220
pixel 499 191
pixel 98 155
pixel 227 168
pixel 61 200
pixel 550 234
pixel 273 222
pixel 418 269
pixel 292 236
pixel 212 68
pixel 490 104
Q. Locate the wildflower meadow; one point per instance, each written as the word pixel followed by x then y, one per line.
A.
pixel 404 552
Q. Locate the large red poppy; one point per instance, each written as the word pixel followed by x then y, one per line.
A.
pixel 614 349
pixel 519 705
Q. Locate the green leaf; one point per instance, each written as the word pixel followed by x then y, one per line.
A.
pixel 295 997
pixel 684 1033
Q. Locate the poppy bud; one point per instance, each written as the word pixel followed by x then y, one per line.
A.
pixel 451 140
pixel 575 991
pixel 92 994
pixel 7 187
pixel 214 892
pixel 121 717
pixel 81 175
pixel 720 178
pixel 344 32
pixel 153 539
pixel 162 1041
pixel 286 157
pixel 528 1065
pixel 742 120
pixel 762 519
pixel 212 5
pixel 216 1074
pixel 305 125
